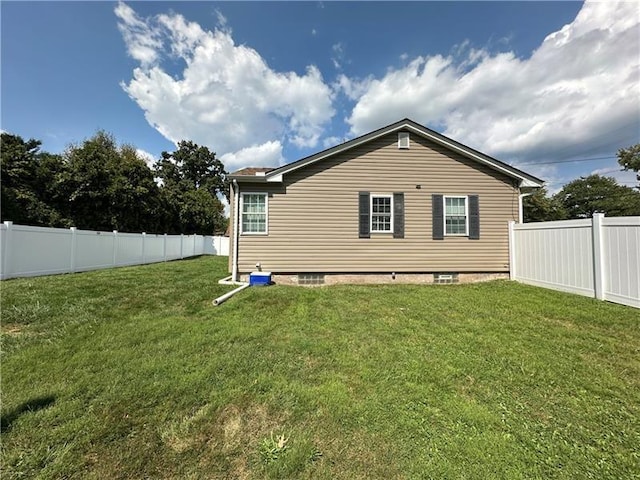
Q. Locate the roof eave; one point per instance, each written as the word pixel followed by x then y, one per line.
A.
pixel 525 180
pixel 249 178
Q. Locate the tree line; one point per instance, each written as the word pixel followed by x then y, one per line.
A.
pixel 585 196
pixel 100 185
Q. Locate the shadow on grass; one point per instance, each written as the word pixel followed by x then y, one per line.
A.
pixel 6 420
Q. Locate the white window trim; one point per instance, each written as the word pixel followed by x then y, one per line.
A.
pixel 466 216
pixel 380 195
pixel 266 213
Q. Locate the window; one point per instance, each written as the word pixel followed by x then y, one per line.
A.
pixel 381 216
pixel 455 214
pixel 254 213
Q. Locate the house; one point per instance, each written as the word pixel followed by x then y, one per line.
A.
pixel 400 204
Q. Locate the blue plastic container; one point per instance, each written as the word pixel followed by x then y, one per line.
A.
pixel 260 279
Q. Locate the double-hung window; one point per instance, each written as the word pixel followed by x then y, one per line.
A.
pixel 455 215
pixel 381 213
pixel 254 213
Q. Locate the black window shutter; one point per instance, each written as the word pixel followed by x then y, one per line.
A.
pixel 363 208
pixel 398 215
pixel 474 217
pixel 438 217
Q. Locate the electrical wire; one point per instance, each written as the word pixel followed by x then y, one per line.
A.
pixel 610 157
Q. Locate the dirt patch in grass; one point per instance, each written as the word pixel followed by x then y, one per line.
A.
pixel 239 426
pixel 225 437
pixel 12 330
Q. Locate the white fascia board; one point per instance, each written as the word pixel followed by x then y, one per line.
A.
pixel 524 182
pixel 340 150
pixel 530 183
pixel 276 178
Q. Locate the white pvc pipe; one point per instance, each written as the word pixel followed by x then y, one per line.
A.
pixel 229 281
pixel 228 295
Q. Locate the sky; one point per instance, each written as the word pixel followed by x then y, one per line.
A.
pixel 552 88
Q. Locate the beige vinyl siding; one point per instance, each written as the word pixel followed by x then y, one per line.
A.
pixel 313 227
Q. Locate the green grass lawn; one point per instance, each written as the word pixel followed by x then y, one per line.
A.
pixel 131 373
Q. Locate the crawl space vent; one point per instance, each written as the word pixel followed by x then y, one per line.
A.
pixel 445 278
pixel 311 279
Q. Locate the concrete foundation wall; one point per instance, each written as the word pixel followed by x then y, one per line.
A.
pixel 384 278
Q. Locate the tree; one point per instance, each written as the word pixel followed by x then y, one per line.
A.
pixel 629 159
pixel 111 187
pixel 596 194
pixel 193 181
pixel 194 167
pixel 540 207
pixel 31 183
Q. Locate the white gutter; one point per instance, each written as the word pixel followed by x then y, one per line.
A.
pixel 236 215
pixel 520 208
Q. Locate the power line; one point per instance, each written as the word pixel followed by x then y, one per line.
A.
pixel 610 157
pixel 558 183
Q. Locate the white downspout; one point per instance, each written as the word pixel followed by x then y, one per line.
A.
pixel 233 278
pixel 520 208
pixel 236 233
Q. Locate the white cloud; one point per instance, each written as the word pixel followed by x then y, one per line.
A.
pixel 331 142
pixel 338 56
pixel 353 88
pixel 148 158
pixel 627 178
pixel 222 21
pixel 227 97
pixel 578 92
pixel 269 154
pixel 143 43
pixel 314 32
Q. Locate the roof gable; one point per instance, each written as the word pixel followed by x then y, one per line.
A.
pixel 525 179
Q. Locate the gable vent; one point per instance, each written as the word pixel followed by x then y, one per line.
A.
pixel 403 139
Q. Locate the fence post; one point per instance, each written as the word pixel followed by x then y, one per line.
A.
pixel 144 238
pixel 181 242
pixel 7 264
pixel 598 256
pixel 115 247
pixel 164 248
pixel 512 251
pixel 74 242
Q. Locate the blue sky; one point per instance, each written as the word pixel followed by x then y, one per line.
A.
pixel 545 86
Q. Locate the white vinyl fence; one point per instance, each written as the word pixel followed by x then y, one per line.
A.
pixel 33 251
pixel 598 257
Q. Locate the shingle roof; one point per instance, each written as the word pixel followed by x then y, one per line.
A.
pixel 252 170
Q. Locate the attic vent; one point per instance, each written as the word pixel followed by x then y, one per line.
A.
pixel 403 139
